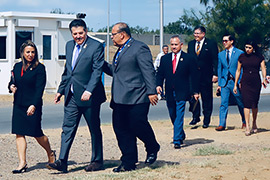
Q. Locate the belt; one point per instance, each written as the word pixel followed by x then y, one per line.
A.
pixel 250 72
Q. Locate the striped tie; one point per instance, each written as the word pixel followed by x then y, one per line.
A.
pixel 198 48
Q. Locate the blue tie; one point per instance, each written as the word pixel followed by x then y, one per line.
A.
pixel 76 55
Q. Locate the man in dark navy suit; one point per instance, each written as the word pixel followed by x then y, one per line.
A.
pixel 206 52
pixel 177 68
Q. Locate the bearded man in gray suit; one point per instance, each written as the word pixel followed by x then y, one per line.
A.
pixel 133 89
pixel 84 92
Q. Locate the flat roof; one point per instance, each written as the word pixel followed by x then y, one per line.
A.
pixel 16 14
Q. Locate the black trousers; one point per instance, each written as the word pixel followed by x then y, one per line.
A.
pixel 131 122
pixel 72 117
pixel 206 90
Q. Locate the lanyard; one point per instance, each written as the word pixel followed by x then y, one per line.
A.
pixel 121 49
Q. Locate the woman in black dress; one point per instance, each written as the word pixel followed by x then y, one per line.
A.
pixel 251 62
pixel 27 83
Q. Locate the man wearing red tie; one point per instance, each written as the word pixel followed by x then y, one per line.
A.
pixel 176 68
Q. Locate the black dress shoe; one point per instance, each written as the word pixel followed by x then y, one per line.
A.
pixel 59 165
pixel 22 170
pixel 94 166
pixel 205 126
pixel 177 146
pixel 151 158
pixel 194 121
pixel 123 168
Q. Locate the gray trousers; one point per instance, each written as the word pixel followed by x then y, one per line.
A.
pixel 72 116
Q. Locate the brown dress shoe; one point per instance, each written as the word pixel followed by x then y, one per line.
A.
pixel 94 166
pixel 220 128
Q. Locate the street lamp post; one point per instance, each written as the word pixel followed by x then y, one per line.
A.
pixel 161 24
pixel 108 32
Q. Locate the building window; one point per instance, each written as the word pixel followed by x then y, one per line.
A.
pixel 21 37
pixel 3 47
pixel 47 47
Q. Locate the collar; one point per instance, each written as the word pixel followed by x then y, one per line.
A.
pixel 178 55
pixel 201 42
pixel 230 50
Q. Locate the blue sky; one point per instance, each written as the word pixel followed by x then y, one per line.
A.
pixel 144 13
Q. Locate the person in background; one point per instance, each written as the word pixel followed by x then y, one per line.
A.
pixel 177 68
pixel 251 62
pixel 165 50
pixel 206 51
pixel 133 89
pixel 227 65
pixel 84 93
pixel 27 83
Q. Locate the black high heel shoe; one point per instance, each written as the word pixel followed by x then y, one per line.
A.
pixel 22 170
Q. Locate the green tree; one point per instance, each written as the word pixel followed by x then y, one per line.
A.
pixel 184 25
pixel 246 19
pixel 134 30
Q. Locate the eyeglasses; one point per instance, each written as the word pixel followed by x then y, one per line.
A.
pixel 225 41
pixel 248 47
pixel 197 33
pixel 113 34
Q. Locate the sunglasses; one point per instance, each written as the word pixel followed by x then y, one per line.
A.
pixel 248 47
pixel 225 41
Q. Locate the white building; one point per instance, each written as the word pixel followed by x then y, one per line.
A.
pixel 48 31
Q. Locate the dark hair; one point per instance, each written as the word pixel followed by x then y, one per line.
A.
pixel 254 45
pixel 77 23
pixel 201 28
pixel 231 38
pixel 165 45
pixel 35 61
pixel 123 27
pixel 176 36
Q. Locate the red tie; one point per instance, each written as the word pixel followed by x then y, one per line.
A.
pixel 174 63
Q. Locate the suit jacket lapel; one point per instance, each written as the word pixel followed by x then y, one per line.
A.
pixel 123 52
pixel 69 55
pixel 203 46
pixel 83 50
pixel 232 57
pixel 193 47
pixel 181 58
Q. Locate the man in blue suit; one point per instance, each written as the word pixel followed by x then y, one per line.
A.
pixel 227 65
pixel 84 92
